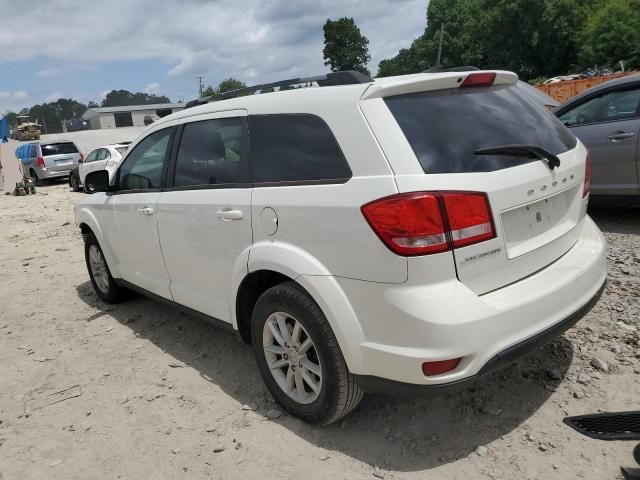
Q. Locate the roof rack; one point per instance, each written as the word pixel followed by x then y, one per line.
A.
pixel 346 77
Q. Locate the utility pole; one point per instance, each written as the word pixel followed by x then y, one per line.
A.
pixel 440 45
pixel 200 84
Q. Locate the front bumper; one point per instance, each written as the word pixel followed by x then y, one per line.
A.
pixel 406 325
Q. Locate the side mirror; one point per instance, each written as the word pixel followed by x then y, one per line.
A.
pixel 97 181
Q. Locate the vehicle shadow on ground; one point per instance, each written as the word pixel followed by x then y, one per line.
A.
pixel 391 433
pixel 616 219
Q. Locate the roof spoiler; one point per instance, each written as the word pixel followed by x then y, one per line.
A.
pixel 346 77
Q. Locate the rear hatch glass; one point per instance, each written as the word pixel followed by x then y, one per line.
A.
pixel 446 127
pixel 63 148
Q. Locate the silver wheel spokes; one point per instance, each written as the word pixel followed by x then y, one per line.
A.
pixel 98 268
pixel 292 357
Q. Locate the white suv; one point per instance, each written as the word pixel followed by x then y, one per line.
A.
pixel 390 235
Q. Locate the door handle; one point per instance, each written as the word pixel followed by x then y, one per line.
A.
pixel 145 211
pixel 620 136
pixel 227 214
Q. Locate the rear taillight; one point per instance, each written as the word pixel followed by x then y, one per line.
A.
pixel 81 158
pixel 40 161
pixel 587 177
pixel 422 223
pixel 480 79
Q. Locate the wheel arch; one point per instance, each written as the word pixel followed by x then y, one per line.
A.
pixel 271 264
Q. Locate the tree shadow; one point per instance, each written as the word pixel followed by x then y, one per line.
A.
pixel 394 433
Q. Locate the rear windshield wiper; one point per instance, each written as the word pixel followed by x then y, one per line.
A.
pixel 533 151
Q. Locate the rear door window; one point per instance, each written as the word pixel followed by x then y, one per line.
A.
pixel 608 107
pixel 446 127
pixel 295 148
pixel 65 148
pixel 212 152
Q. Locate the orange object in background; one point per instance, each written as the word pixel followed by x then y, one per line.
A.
pixel 564 90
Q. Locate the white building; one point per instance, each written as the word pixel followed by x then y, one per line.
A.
pixel 128 116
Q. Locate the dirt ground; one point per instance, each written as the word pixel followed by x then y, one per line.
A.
pixel 144 391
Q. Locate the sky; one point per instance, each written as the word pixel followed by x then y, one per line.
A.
pixel 83 49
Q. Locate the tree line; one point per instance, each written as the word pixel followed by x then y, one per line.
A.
pixel 51 114
pixel 534 38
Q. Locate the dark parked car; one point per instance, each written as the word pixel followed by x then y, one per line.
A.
pixel 606 118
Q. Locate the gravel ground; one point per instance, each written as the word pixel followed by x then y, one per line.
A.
pixel 150 392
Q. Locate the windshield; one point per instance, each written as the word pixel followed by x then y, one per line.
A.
pixel 446 127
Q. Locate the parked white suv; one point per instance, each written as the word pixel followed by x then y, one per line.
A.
pixel 389 235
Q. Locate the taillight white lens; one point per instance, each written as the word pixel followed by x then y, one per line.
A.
pixel 469 217
pixel 416 223
pixel 587 177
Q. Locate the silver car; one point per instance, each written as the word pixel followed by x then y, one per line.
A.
pixel 606 118
pixel 43 161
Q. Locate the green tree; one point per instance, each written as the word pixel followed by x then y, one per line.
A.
pixel 227 85
pixel 50 115
pixel 345 48
pixel 611 34
pixel 12 119
pixel 117 98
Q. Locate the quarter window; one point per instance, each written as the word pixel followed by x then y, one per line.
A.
pixel 295 148
pixel 143 167
pixel 212 152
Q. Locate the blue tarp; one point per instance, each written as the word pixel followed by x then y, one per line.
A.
pixel 3 135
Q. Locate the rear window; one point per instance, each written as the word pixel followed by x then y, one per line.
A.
pixel 446 127
pixel 295 148
pixel 58 149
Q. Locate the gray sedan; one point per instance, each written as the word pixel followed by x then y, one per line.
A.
pixel 606 118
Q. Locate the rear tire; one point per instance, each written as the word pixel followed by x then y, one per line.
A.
pixel 74 182
pixel 36 181
pixel 302 366
pixel 101 279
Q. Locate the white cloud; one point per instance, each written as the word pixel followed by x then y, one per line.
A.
pixel 48 73
pixel 52 97
pixel 152 89
pixel 252 38
pixel 103 94
pixel 13 101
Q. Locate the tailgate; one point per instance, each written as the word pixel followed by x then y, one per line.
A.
pixel 441 138
pixel 60 156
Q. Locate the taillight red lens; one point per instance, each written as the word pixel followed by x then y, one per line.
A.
pixel 442 366
pixel 40 161
pixel 422 223
pixel 81 157
pixel 481 79
pixel 469 218
pixel 587 177
pixel 409 223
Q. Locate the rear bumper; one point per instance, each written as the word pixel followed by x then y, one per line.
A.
pixel 373 384
pixel 406 325
pixel 47 174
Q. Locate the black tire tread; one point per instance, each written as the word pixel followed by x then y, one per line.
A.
pixel 116 293
pixel 348 393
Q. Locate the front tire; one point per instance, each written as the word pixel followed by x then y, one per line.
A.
pixel 101 279
pixel 299 357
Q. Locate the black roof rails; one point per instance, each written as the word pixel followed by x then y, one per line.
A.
pixel 346 77
pixel 438 69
